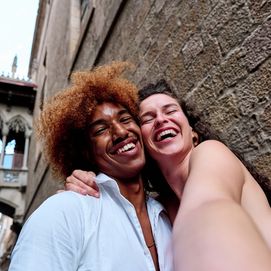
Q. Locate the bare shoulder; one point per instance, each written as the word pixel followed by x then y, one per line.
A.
pixel 215 153
pixel 211 147
pixel 214 171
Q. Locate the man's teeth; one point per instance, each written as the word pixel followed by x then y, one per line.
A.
pixel 127 147
pixel 166 132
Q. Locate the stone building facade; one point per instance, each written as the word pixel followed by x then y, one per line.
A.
pixel 17 99
pixel 215 54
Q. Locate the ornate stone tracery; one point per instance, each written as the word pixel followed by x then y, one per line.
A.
pixel 17 124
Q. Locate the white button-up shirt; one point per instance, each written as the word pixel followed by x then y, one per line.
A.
pixel 74 232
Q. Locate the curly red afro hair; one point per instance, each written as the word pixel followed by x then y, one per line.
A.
pixel 63 123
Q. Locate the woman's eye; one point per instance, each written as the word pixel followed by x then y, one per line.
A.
pixel 146 120
pixel 171 111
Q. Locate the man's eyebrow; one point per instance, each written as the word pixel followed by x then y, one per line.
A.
pixel 97 122
pixel 102 121
pixel 123 111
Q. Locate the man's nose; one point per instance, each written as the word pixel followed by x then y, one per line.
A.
pixel 118 131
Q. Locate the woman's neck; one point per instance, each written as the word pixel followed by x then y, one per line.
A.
pixel 175 172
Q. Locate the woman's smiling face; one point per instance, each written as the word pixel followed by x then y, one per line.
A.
pixel 164 127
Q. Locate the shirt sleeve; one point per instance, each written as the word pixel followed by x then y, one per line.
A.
pixel 52 238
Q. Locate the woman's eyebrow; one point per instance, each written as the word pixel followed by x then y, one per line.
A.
pixel 145 114
pixel 163 107
pixel 169 105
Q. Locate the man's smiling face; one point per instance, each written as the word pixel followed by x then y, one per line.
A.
pixel 115 140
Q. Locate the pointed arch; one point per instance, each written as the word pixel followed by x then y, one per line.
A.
pixel 15 142
pixel 17 124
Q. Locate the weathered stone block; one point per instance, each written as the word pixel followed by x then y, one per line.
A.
pixel 205 61
pixel 265 120
pixel 235 30
pixel 261 163
pixel 192 48
pixel 233 68
pixel 217 18
pixel 253 93
pixel 258 45
pixel 177 73
pixel 260 10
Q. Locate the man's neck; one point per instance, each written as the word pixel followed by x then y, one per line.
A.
pixel 133 191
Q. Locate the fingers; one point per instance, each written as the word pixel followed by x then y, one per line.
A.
pixel 75 188
pixel 82 182
pixel 87 177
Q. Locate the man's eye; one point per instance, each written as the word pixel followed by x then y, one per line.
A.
pixel 99 131
pixel 126 119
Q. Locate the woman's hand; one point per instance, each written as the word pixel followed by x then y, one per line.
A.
pixel 82 182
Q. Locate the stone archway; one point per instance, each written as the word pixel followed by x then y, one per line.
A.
pixel 7 209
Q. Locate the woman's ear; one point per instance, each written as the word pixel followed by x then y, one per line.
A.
pixel 195 138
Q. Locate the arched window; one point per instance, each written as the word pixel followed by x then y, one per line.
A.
pixel 14 150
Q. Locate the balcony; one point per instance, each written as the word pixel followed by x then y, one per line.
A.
pixel 13 178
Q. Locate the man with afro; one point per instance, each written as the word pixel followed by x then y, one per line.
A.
pixel 92 125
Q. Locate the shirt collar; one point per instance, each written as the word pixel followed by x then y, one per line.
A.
pixel 104 179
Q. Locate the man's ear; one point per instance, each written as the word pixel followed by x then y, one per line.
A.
pixel 195 138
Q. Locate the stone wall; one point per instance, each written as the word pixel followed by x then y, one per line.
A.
pixel 215 54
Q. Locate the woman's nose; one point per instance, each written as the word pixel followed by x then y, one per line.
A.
pixel 160 118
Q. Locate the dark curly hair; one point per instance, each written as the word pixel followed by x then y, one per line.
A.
pixel 63 123
pixel 152 171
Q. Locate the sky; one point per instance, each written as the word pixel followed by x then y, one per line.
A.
pixel 17 24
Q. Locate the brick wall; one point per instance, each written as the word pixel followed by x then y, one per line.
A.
pixel 216 54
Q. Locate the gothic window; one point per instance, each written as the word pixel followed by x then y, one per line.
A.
pixel 9 154
pixel 14 150
pixel 17 125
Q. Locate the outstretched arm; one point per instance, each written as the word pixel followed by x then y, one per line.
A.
pixel 212 230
